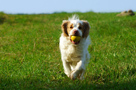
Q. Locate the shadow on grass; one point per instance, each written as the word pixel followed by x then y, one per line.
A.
pixel 64 84
pixel 131 85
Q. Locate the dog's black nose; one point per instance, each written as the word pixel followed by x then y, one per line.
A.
pixel 76 33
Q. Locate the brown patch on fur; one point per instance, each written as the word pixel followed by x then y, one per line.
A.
pixel 64 28
pixel 70 27
pixel 85 29
pixel 131 12
pixel 80 26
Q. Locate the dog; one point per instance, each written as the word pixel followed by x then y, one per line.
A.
pixel 126 13
pixel 74 55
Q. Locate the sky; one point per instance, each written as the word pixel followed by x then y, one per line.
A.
pixel 51 6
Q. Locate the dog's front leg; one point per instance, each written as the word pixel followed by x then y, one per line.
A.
pixel 78 71
pixel 67 69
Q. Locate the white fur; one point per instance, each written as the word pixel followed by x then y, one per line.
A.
pixel 74 57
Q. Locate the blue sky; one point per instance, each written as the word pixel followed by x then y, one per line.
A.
pixel 50 6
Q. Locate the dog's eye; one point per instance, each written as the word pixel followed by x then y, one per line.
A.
pixel 80 27
pixel 71 27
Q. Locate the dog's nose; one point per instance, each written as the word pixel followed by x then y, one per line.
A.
pixel 76 33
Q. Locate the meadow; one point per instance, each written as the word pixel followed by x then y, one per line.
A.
pixel 30 56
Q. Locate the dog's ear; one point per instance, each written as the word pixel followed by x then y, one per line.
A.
pixel 64 27
pixel 86 29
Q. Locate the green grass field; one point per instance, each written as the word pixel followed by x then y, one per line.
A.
pixel 30 57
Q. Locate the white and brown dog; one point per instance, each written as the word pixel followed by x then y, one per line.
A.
pixel 74 55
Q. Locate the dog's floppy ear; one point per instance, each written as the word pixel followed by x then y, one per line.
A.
pixel 86 29
pixel 64 27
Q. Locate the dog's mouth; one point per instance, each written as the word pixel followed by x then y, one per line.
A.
pixel 75 42
pixel 75 39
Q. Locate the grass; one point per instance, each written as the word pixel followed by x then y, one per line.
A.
pixel 30 57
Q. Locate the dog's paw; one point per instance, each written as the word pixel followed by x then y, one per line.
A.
pixel 68 74
pixel 77 74
pixel 73 75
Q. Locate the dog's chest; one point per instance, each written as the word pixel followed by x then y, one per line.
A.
pixel 73 53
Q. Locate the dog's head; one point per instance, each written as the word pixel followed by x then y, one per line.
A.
pixel 75 27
